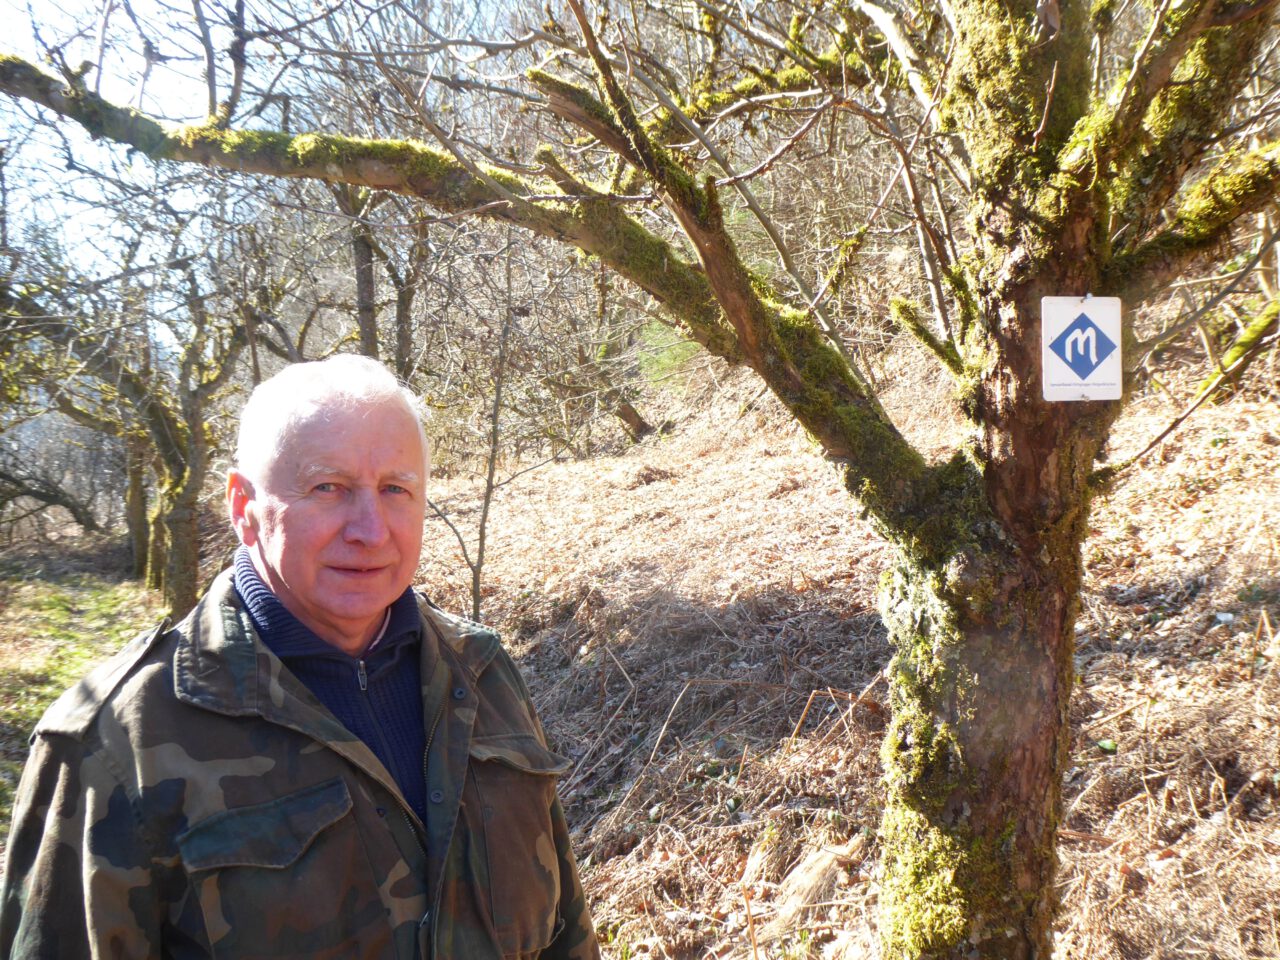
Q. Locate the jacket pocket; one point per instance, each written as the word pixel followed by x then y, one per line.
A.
pixel 515 779
pixel 287 878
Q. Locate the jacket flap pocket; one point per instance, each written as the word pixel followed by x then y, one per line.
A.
pixel 520 752
pixel 272 834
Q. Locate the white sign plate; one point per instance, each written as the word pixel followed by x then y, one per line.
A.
pixel 1080 348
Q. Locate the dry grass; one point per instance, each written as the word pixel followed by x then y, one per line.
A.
pixel 696 619
pixel 1178 633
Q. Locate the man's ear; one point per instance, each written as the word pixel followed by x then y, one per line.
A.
pixel 241 507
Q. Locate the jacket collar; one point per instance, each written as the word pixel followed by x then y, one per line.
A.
pixel 473 645
pixel 222 665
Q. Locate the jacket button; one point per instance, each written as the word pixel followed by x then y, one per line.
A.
pixel 437 796
pixel 459 693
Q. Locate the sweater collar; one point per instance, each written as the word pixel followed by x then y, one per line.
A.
pixel 287 636
pixel 221 663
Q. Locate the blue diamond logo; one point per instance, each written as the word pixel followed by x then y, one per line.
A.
pixel 1082 346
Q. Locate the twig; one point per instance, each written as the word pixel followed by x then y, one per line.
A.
pixel 1119 713
pixel 575 778
pixel 834 695
pixel 210 66
pixel 1109 473
pixel 751 924
pixel 693 855
pixel 1164 336
pixel 1081 835
pixel 766 164
pixel 708 682
pixel 1048 102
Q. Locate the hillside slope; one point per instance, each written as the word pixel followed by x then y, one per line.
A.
pixel 696 619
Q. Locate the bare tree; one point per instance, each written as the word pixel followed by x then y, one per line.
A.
pixel 46 462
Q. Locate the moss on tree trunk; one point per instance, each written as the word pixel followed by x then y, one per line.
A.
pixel 182 570
pixel 135 506
pixel 973 758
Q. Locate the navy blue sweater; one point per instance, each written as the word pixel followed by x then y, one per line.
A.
pixel 377 697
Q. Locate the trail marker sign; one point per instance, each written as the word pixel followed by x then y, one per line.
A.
pixel 1080 348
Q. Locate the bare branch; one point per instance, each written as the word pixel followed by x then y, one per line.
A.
pixel 788 145
pixel 210 63
pixel 236 53
pixel 1145 347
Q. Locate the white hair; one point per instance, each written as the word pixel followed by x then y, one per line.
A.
pixel 302 391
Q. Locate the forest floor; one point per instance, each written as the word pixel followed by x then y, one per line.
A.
pixel 696 618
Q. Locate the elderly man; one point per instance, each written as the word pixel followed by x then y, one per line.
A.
pixel 316 762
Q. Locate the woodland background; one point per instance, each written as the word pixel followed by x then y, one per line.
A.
pixel 682 574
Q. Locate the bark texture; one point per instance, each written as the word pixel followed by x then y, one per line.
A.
pixel 135 505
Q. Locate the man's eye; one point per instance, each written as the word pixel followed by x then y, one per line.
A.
pixel 395 488
pixel 325 487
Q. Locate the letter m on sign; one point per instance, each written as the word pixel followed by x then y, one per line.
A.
pixel 1079 340
pixel 1082 346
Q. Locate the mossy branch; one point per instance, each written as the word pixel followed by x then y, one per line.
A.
pixel 1239 185
pixel 784 346
pixel 788 349
pixel 86 418
pixel 1243 350
pixel 650 158
pixel 833 68
pixel 166 429
pixel 893 28
pixel 838 67
pixel 1138 142
pixel 580 107
pixel 1109 131
pixel 14 486
pixel 725 307
pixel 1183 121
pixel 1173 31
pixel 907 317
pixel 401 166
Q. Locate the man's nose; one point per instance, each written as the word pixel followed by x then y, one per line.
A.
pixel 365 522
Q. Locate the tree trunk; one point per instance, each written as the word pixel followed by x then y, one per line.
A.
pixel 366 307
pixel 135 506
pixel 981 610
pixel 404 334
pixel 157 548
pixel 974 757
pixel 182 564
pixel 637 426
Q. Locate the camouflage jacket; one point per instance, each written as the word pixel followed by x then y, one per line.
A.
pixel 191 799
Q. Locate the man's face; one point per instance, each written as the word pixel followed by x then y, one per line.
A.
pixel 335 523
